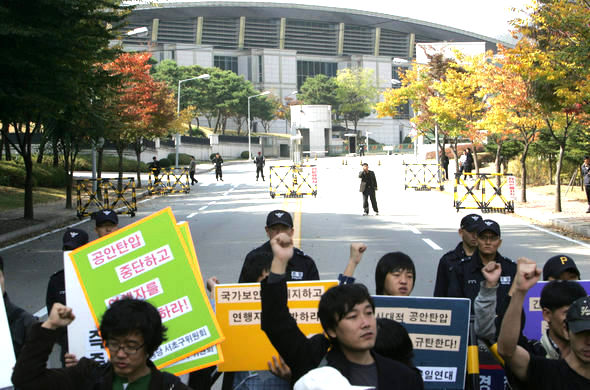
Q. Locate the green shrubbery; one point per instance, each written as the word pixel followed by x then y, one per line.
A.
pixel 12 173
pixel 183 159
pixel 165 163
pixel 244 155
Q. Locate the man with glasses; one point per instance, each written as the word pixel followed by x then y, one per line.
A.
pixel 131 329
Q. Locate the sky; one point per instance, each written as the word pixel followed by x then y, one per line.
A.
pixel 486 17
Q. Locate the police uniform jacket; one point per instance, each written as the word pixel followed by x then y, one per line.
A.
pixel 369 179
pixel 467 276
pixel 445 268
pixel 300 266
pixel 31 372
pixel 586 174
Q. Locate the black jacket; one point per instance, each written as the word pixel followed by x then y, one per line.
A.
pixel 466 279
pixel 303 354
pixel 370 180
pixel 586 174
pixel 300 266
pixel 217 161
pixel 259 161
pixel 31 372
pixel 19 322
pixel 445 268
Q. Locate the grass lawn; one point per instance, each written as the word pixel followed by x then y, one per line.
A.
pixel 13 198
pixel 575 192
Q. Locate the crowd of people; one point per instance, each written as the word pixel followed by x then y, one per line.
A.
pixel 355 348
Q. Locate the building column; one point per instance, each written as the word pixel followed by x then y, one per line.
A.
pixel 282 29
pixel 155 27
pixel 377 40
pixel 242 32
pixel 341 39
pixel 412 46
pixel 199 37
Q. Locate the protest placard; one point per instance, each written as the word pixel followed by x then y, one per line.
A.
pixel 150 259
pixel 84 328
pixel 438 328
pixel 238 310
pixel 534 324
pixel 7 358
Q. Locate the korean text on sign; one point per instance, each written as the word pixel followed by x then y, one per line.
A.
pixel 144 263
pixel 416 316
pixel 115 250
pixel 175 309
pixel 147 290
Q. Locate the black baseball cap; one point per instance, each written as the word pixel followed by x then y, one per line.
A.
pixel 471 222
pixel 557 265
pixel 105 215
pixel 279 217
pixel 488 225
pixel 578 315
pixel 74 238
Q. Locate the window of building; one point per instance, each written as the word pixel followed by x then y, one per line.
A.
pixel 226 63
pixel 260 68
pixel 307 69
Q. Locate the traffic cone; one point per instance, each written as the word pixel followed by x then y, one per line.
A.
pixel 379 163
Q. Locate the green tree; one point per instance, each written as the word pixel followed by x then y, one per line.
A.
pixel 319 89
pixel 356 93
pixel 48 50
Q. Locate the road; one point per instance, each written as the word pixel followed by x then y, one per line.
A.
pixel 227 220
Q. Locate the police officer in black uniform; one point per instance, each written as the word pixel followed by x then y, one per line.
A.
pixel 467 276
pixel 300 266
pixel 468 233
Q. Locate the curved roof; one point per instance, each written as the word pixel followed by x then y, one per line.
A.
pixel 217 9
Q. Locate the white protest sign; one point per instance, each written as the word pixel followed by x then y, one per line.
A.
pixel 7 359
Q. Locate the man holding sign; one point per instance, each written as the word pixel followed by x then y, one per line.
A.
pixel 572 372
pixel 131 329
pixel 347 315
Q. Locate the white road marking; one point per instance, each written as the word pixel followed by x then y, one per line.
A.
pixel 143 201
pixel 558 235
pixel 202 208
pixel 211 203
pixel 41 312
pixel 41 235
pixel 413 229
pixel 432 244
pixel 191 215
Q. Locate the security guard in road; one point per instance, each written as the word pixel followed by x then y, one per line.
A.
pixel 468 244
pixel 300 266
pixel 467 276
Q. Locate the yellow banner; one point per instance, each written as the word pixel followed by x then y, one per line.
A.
pixel 238 310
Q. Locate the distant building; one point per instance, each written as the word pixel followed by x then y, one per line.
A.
pixel 277 46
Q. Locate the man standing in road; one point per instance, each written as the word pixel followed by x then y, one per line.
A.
pixel 218 162
pixel 468 244
pixel 154 167
pixel 259 161
pixel 368 188
pixel 586 177
pixel 191 170
pixel 444 162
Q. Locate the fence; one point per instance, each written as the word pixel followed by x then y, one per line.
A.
pixel 484 192
pixel 293 181
pixel 423 177
pixel 106 196
pixel 169 181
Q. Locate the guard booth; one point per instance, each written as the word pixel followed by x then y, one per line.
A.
pixel 169 181
pixel 423 176
pixel 293 181
pixel 488 192
pixel 107 196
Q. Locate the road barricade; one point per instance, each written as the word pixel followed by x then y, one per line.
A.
pixel 107 196
pixel 169 181
pixel 423 176
pixel 484 191
pixel 293 181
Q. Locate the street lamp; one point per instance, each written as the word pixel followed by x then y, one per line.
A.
pixel 287 122
pixel 249 124
pixel 177 135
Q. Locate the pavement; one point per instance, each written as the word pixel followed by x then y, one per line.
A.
pixel 539 210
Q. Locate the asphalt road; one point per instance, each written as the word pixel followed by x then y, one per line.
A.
pixel 227 220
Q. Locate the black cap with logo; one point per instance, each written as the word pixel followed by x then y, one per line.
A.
pixel 578 315
pixel 557 265
pixel 74 238
pixel 470 222
pixel 489 225
pixel 105 215
pixel 279 217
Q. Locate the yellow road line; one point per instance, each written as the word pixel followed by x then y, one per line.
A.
pixel 297 224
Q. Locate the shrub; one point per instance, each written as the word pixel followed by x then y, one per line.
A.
pixel 44 175
pixel 183 158
pixel 244 155
pixel 165 163
pixel 212 155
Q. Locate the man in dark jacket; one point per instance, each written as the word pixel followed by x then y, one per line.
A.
pixel 259 161
pixel 218 162
pixel 131 329
pixel 368 188
pixel 347 315
pixel 466 280
pixel 468 244
pixel 19 320
pixel 299 267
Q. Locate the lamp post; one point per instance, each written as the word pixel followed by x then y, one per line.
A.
pixel 177 135
pixel 286 123
pixel 249 124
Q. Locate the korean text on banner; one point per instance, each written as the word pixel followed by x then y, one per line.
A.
pixel 7 359
pixel 238 309
pixel 150 259
pixel 534 325
pixel 439 329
